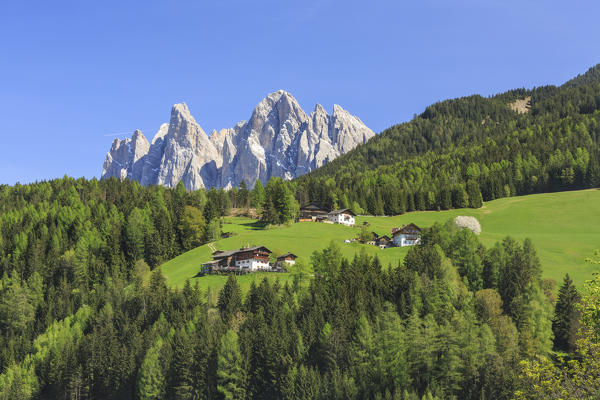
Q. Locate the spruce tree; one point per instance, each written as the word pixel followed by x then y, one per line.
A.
pixel 566 316
pixel 269 213
pixel 243 195
pixel 151 381
pixel 474 194
pixel 230 378
pixel 258 195
pixel 183 360
pixel 230 299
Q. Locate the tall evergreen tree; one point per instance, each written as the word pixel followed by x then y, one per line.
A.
pixel 474 194
pixel 230 299
pixel 566 316
pixel 230 375
pixel 191 228
pixel 151 380
pixel 258 195
pixel 183 361
pixel 243 195
pixel 269 212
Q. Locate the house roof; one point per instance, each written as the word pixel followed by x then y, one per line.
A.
pixel 342 211
pixel 287 255
pixel 222 254
pixel 386 237
pixel 311 207
pixel 406 229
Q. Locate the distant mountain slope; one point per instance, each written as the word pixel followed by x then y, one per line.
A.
pixel 279 139
pixel 459 151
pixel 592 75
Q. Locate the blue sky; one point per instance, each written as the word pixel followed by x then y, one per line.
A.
pixel 72 73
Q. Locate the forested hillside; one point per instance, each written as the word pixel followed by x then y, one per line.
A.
pixel 63 242
pixel 455 320
pixel 462 151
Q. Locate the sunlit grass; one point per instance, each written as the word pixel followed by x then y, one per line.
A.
pixel 564 227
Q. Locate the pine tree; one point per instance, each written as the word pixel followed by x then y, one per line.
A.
pixel 445 198
pixel 135 232
pixel 258 195
pixel 183 360
pixel 566 317
pixel 151 381
pixel 230 299
pixel 363 347
pixel 230 377
pixel 191 228
pixel 243 194
pixel 460 199
pixel 474 194
pixel 269 212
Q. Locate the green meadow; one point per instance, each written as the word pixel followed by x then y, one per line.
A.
pixel 564 227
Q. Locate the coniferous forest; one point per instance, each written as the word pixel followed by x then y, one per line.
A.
pixel 86 314
pixel 460 152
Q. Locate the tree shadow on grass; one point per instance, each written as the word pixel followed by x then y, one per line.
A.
pixel 256 225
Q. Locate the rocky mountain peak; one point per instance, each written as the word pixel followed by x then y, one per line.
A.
pixel 275 109
pixel 183 126
pixel 319 109
pixel 279 139
pixel 138 139
pixel 162 131
pixel 182 110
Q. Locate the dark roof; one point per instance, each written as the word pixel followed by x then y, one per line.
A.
pixel 221 254
pixel 404 229
pixel 342 211
pixel 311 206
pixel 286 255
pixel 386 237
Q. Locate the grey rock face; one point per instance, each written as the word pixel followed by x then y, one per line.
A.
pixel 154 156
pixel 125 159
pixel 279 139
pixel 188 155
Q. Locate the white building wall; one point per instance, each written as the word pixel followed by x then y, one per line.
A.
pixel 340 219
pixel 257 264
pixel 252 264
pixel 401 241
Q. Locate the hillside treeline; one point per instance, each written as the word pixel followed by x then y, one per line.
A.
pixel 462 151
pixel 454 320
pixel 63 240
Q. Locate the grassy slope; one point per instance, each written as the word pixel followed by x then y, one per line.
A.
pixel 564 227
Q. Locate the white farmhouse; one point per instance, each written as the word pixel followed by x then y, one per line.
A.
pixel 247 259
pixel 408 235
pixel 343 216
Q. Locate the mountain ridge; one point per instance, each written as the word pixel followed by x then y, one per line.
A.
pixel 460 151
pixel 280 139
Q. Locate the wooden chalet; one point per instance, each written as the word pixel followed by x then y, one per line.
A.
pixel 247 259
pixel 312 212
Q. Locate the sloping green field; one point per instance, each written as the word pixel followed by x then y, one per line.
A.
pixel 564 227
